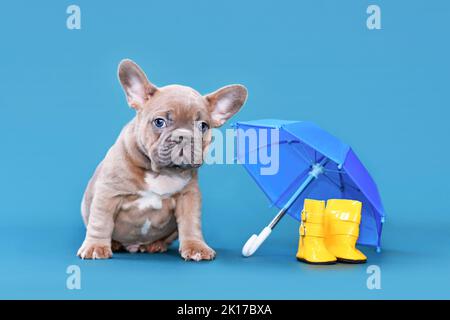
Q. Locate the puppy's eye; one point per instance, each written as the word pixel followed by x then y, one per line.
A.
pixel 159 122
pixel 203 126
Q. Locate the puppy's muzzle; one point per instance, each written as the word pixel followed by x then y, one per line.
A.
pixel 182 148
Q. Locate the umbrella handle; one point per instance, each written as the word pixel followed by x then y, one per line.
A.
pixel 255 241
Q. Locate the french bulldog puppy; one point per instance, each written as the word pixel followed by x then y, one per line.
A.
pixel 145 193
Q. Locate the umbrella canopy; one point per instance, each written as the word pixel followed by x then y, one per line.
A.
pixel 312 164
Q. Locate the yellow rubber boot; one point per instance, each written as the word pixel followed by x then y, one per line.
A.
pixel 342 219
pixel 311 247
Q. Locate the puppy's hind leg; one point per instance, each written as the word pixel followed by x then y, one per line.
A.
pixel 160 245
pixel 116 246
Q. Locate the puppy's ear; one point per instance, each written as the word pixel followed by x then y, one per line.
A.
pixel 225 102
pixel 135 83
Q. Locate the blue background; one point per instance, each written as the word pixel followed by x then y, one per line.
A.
pixel 385 92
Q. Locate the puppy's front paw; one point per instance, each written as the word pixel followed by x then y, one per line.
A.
pixel 196 250
pixel 94 250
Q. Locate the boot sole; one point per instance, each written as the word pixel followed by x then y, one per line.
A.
pixel 317 263
pixel 351 261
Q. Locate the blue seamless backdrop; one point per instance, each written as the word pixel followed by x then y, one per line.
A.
pixel 385 92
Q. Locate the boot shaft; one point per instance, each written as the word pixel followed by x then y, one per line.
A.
pixel 343 210
pixel 313 211
pixel 342 219
pixel 312 247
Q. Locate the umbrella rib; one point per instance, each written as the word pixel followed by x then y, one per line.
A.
pixel 302 174
pixel 334 171
pixel 354 188
pixel 265 146
pixel 343 184
pixel 305 156
pixel 341 181
pixel 331 180
pixel 306 153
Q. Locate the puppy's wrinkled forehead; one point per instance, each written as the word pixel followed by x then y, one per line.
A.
pixel 178 103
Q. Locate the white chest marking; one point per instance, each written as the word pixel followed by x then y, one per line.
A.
pixel 145 227
pixel 148 199
pixel 160 187
pixel 165 185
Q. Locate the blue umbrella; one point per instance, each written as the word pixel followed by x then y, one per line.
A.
pixel 312 163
